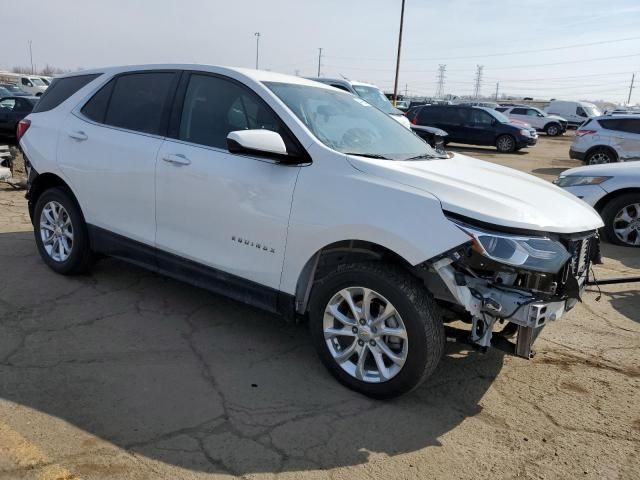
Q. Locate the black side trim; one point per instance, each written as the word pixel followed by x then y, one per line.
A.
pixel 188 271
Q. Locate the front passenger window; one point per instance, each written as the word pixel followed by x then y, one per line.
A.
pixel 214 106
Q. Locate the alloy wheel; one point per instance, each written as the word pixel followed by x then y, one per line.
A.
pixel 56 231
pixel 626 224
pixel 552 130
pixel 599 158
pixel 505 144
pixel 365 334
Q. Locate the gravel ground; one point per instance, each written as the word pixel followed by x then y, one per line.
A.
pixel 125 374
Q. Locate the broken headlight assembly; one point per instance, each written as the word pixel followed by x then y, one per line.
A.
pixel 538 254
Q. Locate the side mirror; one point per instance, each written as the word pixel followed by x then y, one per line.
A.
pixel 257 142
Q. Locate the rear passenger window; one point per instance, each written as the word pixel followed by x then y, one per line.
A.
pixel 139 101
pixel 96 108
pixel 214 106
pixel 519 111
pixel 61 89
pixel 428 115
pixel 629 125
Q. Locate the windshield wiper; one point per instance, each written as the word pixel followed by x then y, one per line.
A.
pixel 368 155
pixel 426 155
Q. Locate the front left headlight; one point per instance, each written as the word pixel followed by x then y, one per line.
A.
pixel 579 181
pixel 540 254
pixel 525 132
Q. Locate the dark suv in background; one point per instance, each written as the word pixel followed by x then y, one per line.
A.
pixel 475 126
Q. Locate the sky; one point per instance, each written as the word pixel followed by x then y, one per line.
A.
pixel 583 49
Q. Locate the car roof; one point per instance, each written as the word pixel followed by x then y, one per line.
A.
pixel 613 116
pixel 256 75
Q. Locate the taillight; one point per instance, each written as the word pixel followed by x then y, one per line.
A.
pixel 582 133
pixel 414 120
pixel 23 126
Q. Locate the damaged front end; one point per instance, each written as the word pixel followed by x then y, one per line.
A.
pixel 522 280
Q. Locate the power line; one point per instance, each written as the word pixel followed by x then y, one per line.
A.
pixel 470 57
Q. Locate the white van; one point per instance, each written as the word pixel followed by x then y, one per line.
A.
pixel 576 113
pixel 28 83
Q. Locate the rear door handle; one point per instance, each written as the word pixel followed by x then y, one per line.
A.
pixel 176 159
pixel 78 135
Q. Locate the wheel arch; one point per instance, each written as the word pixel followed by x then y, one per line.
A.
pixel 43 182
pixel 600 204
pixel 600 147
pixel 343 251
pixel 552 122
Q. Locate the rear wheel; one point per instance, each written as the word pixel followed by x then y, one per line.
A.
pixel 506 144
pixel 375 328
pixel 600 156
pixel 622 220
pixel 61 233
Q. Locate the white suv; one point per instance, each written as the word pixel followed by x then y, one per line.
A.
pixel 552 125
pixel 607 139
pixel 304 200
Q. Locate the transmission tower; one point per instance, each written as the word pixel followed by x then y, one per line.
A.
pixel 478 85
pixel 441 76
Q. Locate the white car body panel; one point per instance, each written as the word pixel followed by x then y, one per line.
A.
pixel 490 193
pixel 536 121
pixel 623 176
pixel 568 109
pixel 202 206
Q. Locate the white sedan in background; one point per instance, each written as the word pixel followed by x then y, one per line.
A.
pixel 613 189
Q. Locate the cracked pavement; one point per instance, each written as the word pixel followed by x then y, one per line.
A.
pixel 126 374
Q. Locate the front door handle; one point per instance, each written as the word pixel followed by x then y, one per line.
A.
pixel 78 135
pixel 176 159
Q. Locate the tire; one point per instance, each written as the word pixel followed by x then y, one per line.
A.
pixel 506 144
pixel 415 311
pixel 553 129
pixel 612 215
pixel 599 156
pixel 78 257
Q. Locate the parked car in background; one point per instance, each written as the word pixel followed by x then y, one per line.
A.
pixel 575 113
pixel 12 110
pixel 370 93
pixel 552 125
pixel 435 137
pixel 31 84
pixel 403 105
pixel 47 80
pixel 14 91
pixel 206 173
pixel 607 139
pixel 4 92
pixel 474 126
pixel 614 191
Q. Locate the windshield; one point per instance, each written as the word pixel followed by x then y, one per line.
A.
pixel 497 115
pixel 592 111
pixel 350 125
pixel 11 88
pixel 45 81
pixel 375 97
pixel 38 82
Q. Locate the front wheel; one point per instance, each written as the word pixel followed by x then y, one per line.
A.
pixel 621 218
pixel 600 156
pixel 553 129
pixel 375 328
pixel 506 144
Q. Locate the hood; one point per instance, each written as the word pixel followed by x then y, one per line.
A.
pixel 489 193
pixel 557 117
pixel 606 170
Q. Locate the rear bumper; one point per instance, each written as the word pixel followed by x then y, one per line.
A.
pixel 576 155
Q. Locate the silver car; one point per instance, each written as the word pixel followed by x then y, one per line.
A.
pixel 607 139
pixel 614 191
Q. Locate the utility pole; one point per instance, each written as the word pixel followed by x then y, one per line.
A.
pixel 406 90
pixel 257 35
pixel 319 60
pixel 633 77
pixel 478 84
pixel 497 89
pixel 395 84
pixel 442 69
pixel 31 57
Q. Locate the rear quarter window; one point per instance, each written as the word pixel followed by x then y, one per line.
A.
pixel 61 89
